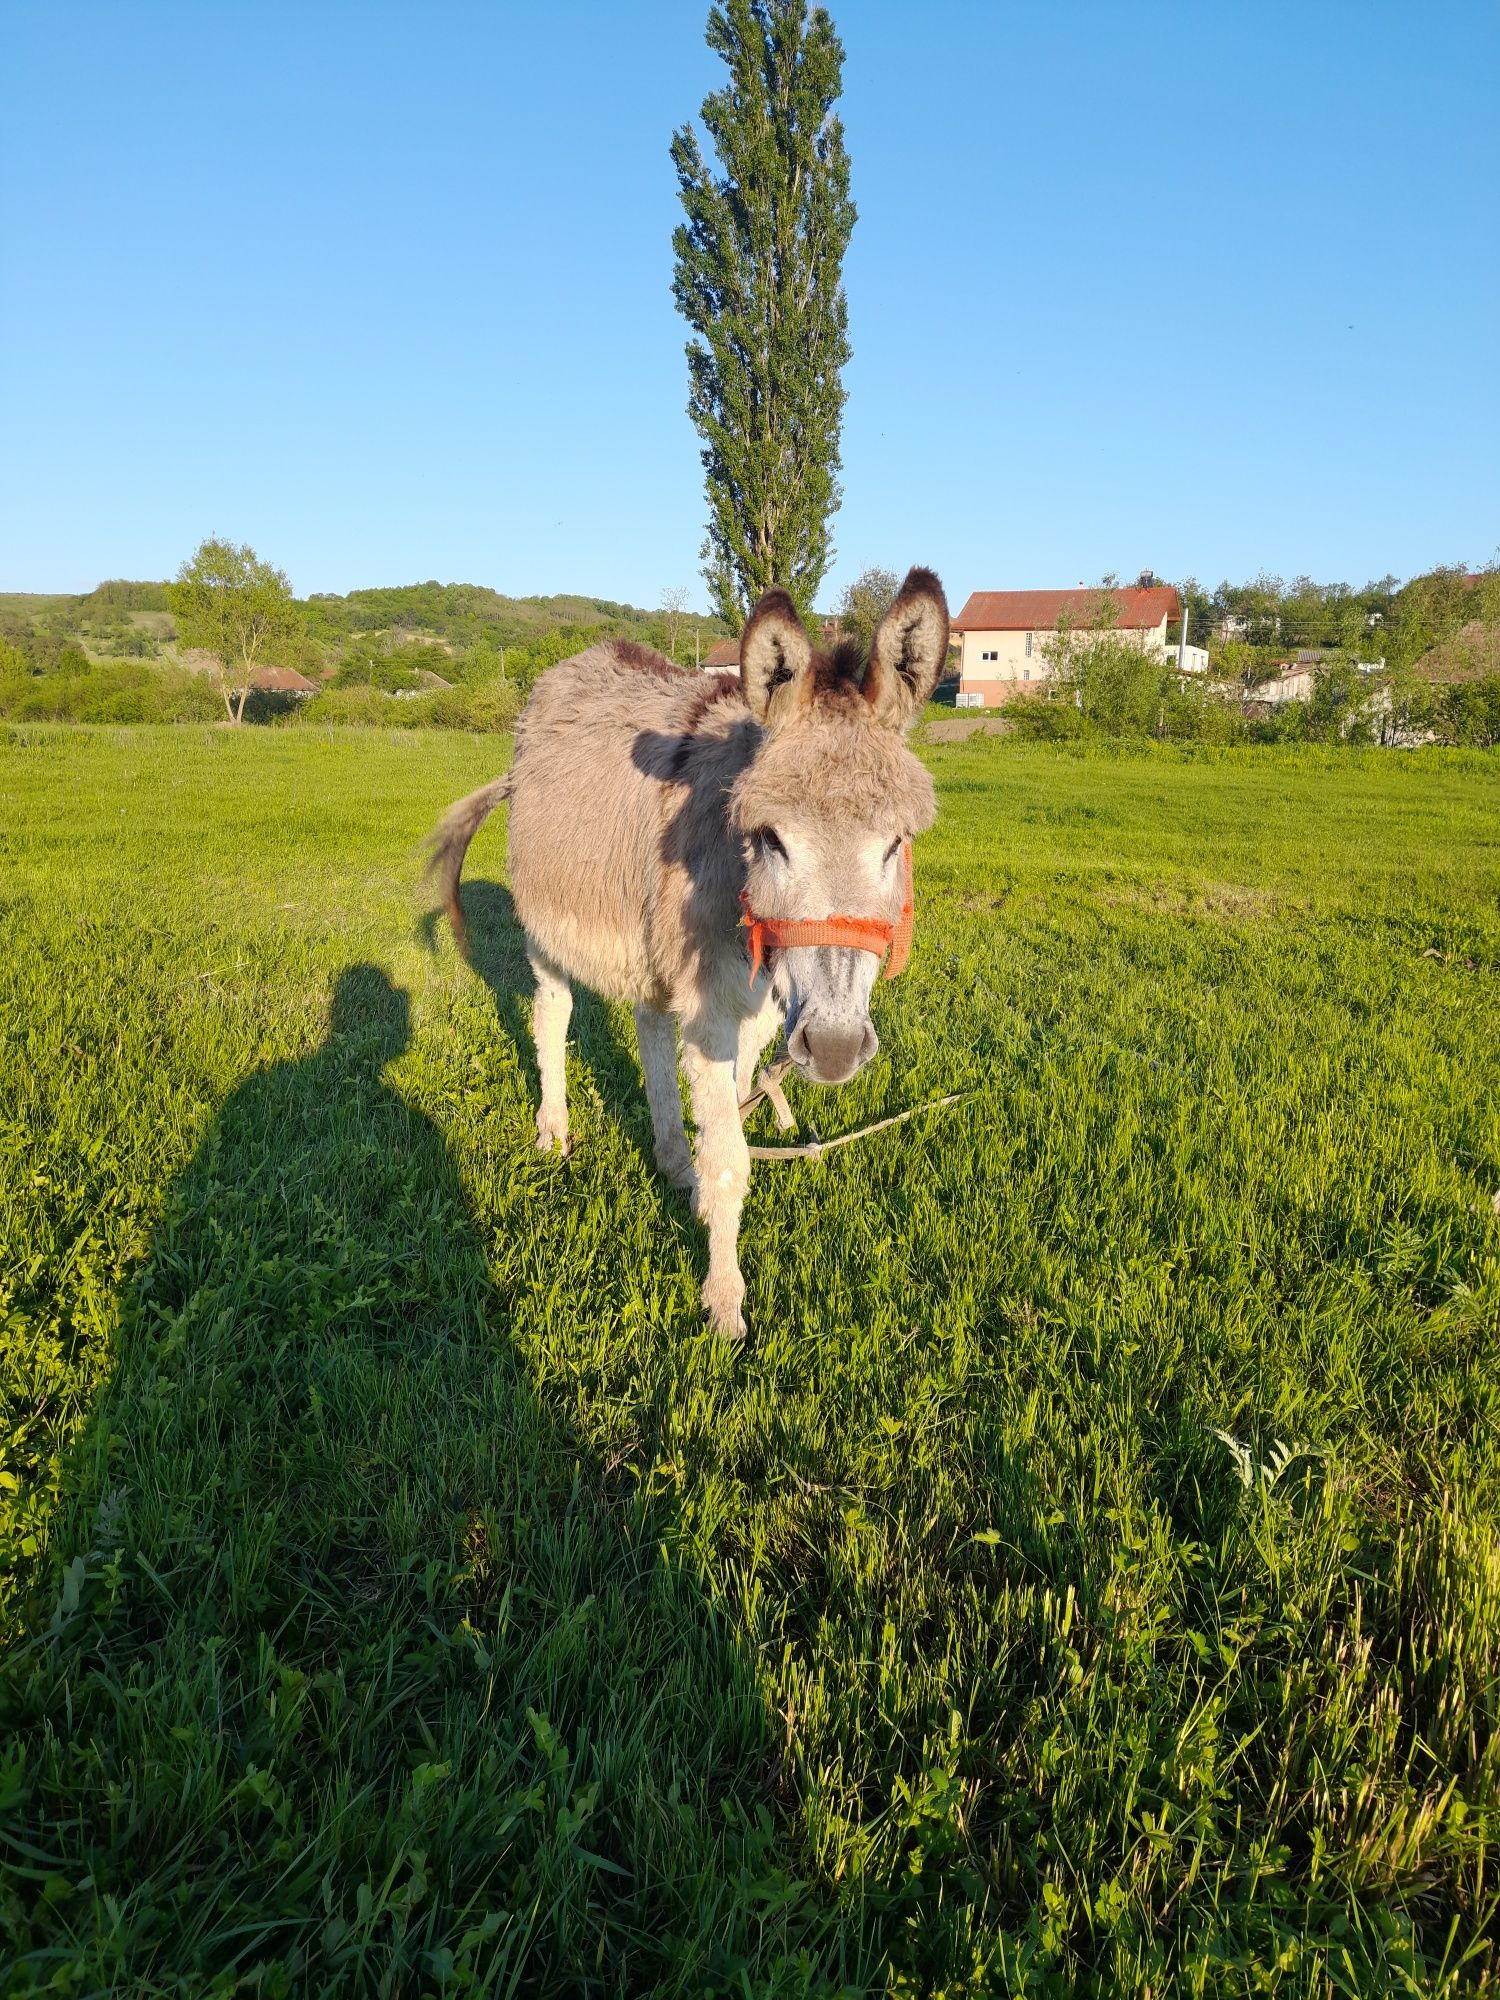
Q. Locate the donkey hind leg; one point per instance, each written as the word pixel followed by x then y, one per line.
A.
pixel 709 1052
pixel 657 1036
pixel 550 1012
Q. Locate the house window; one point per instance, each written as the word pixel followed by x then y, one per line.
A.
pixel 1028 673
pixel 1028 650
pixel 989 656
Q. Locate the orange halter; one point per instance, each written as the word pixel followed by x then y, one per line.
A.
pixel 872 934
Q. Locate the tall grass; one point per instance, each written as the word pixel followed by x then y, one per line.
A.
pixel 1084 1580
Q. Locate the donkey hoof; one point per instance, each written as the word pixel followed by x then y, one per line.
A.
pixel 679 1173
pixel 550 1140
pixel 725 1311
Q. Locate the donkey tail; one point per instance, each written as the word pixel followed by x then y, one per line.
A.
pixel 450 844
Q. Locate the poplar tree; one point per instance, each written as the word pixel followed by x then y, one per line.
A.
pixel 758 279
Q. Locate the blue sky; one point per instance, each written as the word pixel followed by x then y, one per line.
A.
pixel 385 290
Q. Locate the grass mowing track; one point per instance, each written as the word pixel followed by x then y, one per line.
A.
pixel 405 1593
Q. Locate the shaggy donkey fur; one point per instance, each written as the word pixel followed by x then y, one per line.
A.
pixel 643 800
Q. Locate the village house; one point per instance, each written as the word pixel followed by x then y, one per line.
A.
pixel 1005 636
pixel 1293 682
pixel 1242 625
pixel 281 680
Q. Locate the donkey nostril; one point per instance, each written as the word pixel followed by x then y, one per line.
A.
pixel 832 1054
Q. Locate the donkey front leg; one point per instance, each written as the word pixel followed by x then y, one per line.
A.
pixel 550 1013
pixel 709 1051
pixel 657 1036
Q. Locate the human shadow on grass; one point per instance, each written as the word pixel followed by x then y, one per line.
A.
pixel 364 1676
pixel 497 952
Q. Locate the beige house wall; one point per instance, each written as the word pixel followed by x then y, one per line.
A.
pixel 1294 686
pixel 1020 660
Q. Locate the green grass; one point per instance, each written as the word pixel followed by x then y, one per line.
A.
pixel 407 1595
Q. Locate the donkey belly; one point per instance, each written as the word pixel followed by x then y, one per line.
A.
pixel 585 838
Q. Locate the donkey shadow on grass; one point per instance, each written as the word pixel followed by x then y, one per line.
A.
pixel 365 1675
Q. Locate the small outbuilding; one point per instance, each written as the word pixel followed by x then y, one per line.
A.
pixel 1294 682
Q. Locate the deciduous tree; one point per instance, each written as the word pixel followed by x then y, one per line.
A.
pixel 674 604
pixel 866 601
pixel 233 605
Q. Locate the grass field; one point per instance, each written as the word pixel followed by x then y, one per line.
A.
pixel 1084 1580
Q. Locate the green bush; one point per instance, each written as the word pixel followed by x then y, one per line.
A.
pixel 1467 713
pixel 1049 721
pixel 1431 609
pixel 483 707
pixel 1111 686
pixel 130 692
pixel 126 642
pixel 394 670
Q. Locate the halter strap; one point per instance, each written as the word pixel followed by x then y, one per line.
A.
pixel 872 934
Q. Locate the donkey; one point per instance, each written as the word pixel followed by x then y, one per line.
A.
pixel 650 807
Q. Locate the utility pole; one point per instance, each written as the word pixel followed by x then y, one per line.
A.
pixel 1182 636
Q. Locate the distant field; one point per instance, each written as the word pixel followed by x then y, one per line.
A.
pixel 406 1593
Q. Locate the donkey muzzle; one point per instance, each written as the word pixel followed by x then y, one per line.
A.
pixel 831 1051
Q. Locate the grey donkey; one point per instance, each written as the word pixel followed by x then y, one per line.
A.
pixel 649 807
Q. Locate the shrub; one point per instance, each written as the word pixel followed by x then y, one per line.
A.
pixel 483 707
pixel 395 670
pixel 1467 713
pixel 1050 721
pixel 1113 686
pixel 358 704
pixel 129 692
pixel 127 642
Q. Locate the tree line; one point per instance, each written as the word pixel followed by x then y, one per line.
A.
pixel 1439 681
pixel 114 654
pixel 1384 620
pixel 189 649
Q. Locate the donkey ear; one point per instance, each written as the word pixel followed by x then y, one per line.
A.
pixel 908 650
pixel 775 660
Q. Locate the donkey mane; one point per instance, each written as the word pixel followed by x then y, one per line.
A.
pixel 846 662
pixel 646 660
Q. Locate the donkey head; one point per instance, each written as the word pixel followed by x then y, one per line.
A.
pixel 829 800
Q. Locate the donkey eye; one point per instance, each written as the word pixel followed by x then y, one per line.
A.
pixel 894 848
pixel 769 841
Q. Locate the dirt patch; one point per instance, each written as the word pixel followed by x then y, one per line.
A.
pixel 962 727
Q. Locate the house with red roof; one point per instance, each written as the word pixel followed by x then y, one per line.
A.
pixel 1003 635
pixel 281 680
